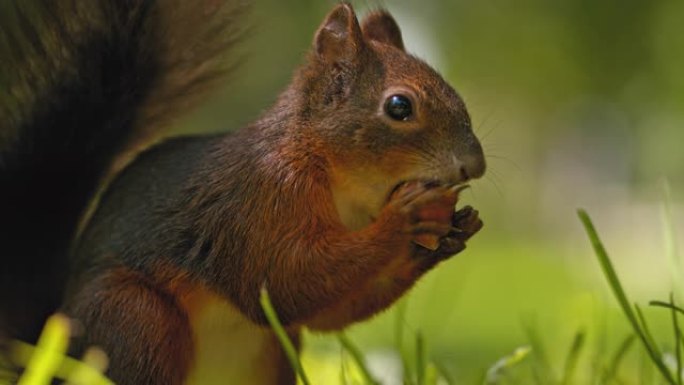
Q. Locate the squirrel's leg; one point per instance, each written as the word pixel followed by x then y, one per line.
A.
pixel 140 326
pixel 391 282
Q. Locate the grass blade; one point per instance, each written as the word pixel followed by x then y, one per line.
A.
pixel 49 352
pixel 399 323
pixel 647 373
pixel 496 371
pixel 343 369
pixel 667 305
pixel 89 371
pixel 541 366
pixel 444 374
pixel 641 329
pixel 678 345
pixel 646 331
pixel 282 336
pixel 674 309
pixel 622 350
pixel 670 240
pixel 573 355
pixel 357 356
pixel 420 358
pixel 431 374
pixel 608 269
pixel 598 362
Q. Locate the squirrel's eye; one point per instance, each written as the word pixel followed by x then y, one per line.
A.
pixel 398 107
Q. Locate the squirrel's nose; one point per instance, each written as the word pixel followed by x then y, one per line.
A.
pixel 471 161
pixel 472 166
pixel 468 157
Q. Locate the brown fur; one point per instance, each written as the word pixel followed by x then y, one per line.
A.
pixel 123 311
pixel 297 202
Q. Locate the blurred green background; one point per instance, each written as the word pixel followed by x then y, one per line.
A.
pixel 578 103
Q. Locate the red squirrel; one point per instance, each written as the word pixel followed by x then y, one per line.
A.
pixel 336 200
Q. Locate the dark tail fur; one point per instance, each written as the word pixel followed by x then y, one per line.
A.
pixel 80 80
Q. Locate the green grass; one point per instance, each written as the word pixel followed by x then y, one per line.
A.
pixel 632 313
pixel 283 338
pixel 48 360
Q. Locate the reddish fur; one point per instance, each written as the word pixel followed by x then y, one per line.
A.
pixel 122 311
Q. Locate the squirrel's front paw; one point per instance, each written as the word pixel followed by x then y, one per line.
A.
pixel 426 211
pixel 465 223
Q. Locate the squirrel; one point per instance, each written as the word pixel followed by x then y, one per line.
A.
pixel 336 200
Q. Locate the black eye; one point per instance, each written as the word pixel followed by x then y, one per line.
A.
pixel 398 107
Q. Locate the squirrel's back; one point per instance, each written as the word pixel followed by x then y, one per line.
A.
pixel 80 81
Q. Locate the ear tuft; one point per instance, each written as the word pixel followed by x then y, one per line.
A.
pixel 339 37
pixel 380 26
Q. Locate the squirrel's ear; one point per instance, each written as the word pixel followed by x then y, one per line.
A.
pixel 339 38
pixel 381 26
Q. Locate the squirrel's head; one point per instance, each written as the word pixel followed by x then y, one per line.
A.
pixel 384 116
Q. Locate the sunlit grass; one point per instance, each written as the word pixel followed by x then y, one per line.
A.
pixel 48 360
pixel 632 313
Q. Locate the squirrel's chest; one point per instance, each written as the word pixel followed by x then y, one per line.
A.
pixel 229 349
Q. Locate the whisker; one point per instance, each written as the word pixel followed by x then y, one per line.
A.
pixel 485 119
pixel 489 178
pixel 503 158
pixel 493 128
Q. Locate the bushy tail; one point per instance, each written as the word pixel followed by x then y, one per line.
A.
pixel 80 80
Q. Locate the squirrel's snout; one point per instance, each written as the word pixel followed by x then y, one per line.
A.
pixel 462 168
pixel 472 166
pixel 472 160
